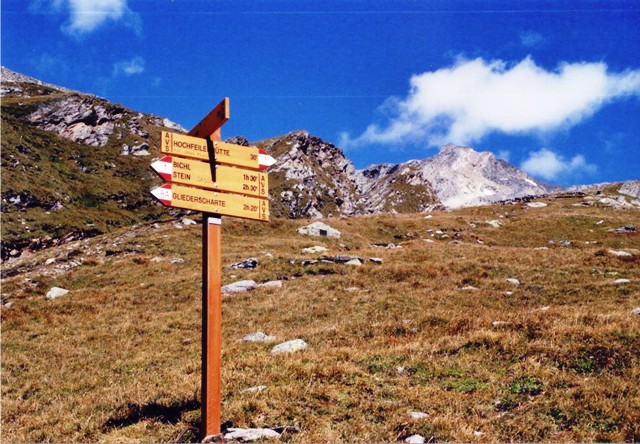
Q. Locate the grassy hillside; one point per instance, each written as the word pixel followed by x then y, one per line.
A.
pixel 436 328
pixel 52 186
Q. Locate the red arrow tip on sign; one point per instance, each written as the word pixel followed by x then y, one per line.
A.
pixel 163 167
pixel 163 194
pixel 265 160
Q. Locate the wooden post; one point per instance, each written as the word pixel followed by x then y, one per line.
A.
pixel 212 313
pixel 211 324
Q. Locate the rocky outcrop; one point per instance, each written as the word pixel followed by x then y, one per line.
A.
pixel 83 118
pixel 311 178
pixel 86 120
pixel 403 188
pixel 631 188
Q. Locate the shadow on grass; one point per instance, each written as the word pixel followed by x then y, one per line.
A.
pixel 166 414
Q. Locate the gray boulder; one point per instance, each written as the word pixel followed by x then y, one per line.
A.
pixel 247 435
pixel 627 229
pixel 56 292
pixel 271 284
pixel 315 249
pixel 248 264
pixel 239 287
pixel 289 346
pixel 319 229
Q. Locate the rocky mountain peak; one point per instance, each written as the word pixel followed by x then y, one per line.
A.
pixel 462 156
pixel 312 178
pixel 462 177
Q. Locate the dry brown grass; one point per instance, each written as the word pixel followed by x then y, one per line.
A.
pixel 118 358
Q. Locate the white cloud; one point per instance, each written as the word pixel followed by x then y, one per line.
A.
pixel 129 67
pixel 86 16
pixel 463 103
pixel 550 166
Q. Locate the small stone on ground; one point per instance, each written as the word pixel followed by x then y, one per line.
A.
pixel 271 284
pixel 56 292
pixel 621 282
pixel 248 264
pixel 315 249
pixel 258 337
pixel 246 435
pixel 289 346
pixel 239 287
pixel 255 389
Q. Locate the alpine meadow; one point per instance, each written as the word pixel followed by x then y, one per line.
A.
pixel 452 298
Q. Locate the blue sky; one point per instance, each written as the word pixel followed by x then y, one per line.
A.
pixel 551 86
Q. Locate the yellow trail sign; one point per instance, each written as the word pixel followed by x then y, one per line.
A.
pixel 214 177
pixel 226 153
pixel 208 201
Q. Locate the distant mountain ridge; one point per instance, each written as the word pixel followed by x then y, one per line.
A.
pixel 313 178
pixel 74 165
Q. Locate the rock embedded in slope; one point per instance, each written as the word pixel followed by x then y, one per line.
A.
pixel 315 249
pixel 289 347
pixel 271 284
pixel 258 337
pixel 631 188
pixel 248 264
pixel 248 435
pixel 319 229
pixel 56 292
pixel 619 253
pixel 256 389
pixel 239 287
pixel 341 259
pixel 627 229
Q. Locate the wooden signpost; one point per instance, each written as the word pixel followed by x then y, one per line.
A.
pixel 207 187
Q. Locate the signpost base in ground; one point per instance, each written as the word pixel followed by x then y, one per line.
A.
pixel 212 324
